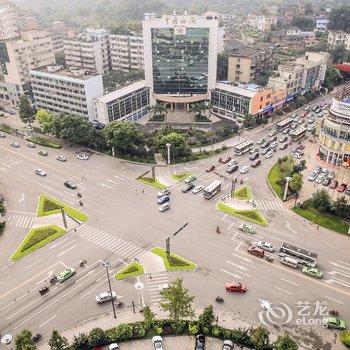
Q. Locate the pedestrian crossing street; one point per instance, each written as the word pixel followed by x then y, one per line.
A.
pixel 155 284
pixel 115 180
pixel 20 220
pixel 109 242
pixel 269 205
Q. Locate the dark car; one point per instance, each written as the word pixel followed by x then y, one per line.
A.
pixel 188 187
pixel 273 139
pixel 333 184
pixel 200 342
pixel 256 163
pixel 254 156
pixel 163 199
pixel 341 188
pixel 70 184
pixel 260 253
pixel 326 182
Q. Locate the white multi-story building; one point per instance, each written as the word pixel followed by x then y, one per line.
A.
pixel 126 52
pixel 33 50
pixel 58 32
pixel 180 54
pixel 338 37
pixel 262 23
pixel 71 92
pixel 8 24
pixel 130 103
pixel 89 51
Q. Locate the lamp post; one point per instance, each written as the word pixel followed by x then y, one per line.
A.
pixel 106 265
pixel 286 187
pixel 233 186
pixel 296 198
pixel 167 240
pixel 168 145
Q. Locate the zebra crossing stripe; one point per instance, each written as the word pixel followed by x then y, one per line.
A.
pixel 132 251
pixel 126 247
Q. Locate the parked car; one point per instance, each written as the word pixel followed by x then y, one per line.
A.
pixel 163 199
pixel 312 271
pixel 113 346
pixel 266 246
pixel 235 287
pixel 244 170
pixel 198 189
pixel 224 160
pixel 247 228
pixel 42 153
pixel 14 144
pixel 341 188
pixel 31 144
pixel 265 144
pixel 256 163
pixel 188 187
pixel 272 133
pixel 200 342
pixel 227 345
pixel 273 144
pixel 284 146
pixel 61 158
pixel 347 191
pixel 65 274
pixel 312 177
pixel 253 150
pixel 334 184
pixel 286 131
pixel 40 172
pixel 232 168
pixel 265 150
pixel 164 192
pixel 104 297
pixel 269 154
pixel 70 184
pixel 319 179
pixel 164 207
pixel 334 323
pixel 261 141
pixel 157 343
pixel 283 139
pixel 331 175
pixel 190 179
pixel 254 156
pixel 273 139
pixel 210 168
pixel 256 251
pixel 326 181
pixel 2 135
pixel 232 162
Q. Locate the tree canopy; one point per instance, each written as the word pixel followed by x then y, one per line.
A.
pixel 26 111
pixel 285 342
pixel 57 342
pixel 339 18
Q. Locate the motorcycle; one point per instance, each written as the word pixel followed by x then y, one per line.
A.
pixel 79 195
pixel 53 279
pixel 36 337
pixel 118 303
pixel 219 299
pixel 269 258
pixel 82 263
pixel 81 203
pixel 333 312
pixel 218 229
pixel 43 290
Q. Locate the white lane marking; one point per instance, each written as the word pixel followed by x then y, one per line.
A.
pixel 331 281
pixel 102 184
pixel 68 243
pixel 37 262
pixel 67 250
pixel 22 198
pixel 239 266
pixel 47 321
pixel 113 182
pixel 294 284
pixel 239 244
pixel 337 301
pixel 230 226
pixel 332 273
pixel 290 227
pixel 20 212
pixel 284 291
pixel 336 264
pixel 342 262
pixel 57 244
pixel 241 257
pixel 231 274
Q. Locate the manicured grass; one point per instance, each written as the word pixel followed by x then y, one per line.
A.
pixel 181 176
pixel 252 215
pixel 243 193
pixel 176 263
pixel 37 238
pixel 6 128
pixel 43 141
pixel 152 182
pixel 331 222
pixel 132 270
pixel 48 206
pixel 273 177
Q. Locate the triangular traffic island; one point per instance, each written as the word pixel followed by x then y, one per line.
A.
pixel 154 182
pixel 53 219
pixel 134 269
pixel 243 193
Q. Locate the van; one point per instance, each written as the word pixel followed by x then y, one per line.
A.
pixel 289 262
pixel 232 162
pixel 232 168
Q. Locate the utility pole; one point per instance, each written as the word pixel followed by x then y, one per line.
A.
pixel 64 218
pixel 167 240
pixel 233 186
pixel 106 265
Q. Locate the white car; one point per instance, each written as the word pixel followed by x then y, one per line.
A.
pixel 319 179
pixel 31 145
pixel 269 154
pixel 296 155
pixel 310 120
pixel 14 144
pixel 104 297
pixel 198 189
pixel 283 139
pixel 40 172
pixel 157 343
pixel 113 346
pixel 164 192
pixel 82 156
pixel 272 133
pixel 311 127
pixel 61 158
pixel 2 134
pixel 312 176
pixel 266 246
pixel 164 207
pixel 232 162
pixel 244 170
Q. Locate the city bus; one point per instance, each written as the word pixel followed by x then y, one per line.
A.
pixel 284 124
pixel 212 189
pixel 298 133
pixel 303 256
pixel 243 147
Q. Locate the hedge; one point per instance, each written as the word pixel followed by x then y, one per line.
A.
pixel 181 176
pixel 345 338
pixel 6 128
pixel 44 142
pixel 132 270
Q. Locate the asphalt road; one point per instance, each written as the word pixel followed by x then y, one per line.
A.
pixel 124 223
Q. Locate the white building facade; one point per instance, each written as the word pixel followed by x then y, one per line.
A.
pixel 70 92
pixel 180 53
pixel 8 24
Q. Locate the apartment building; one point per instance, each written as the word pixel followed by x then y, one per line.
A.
pixel 8 25
pixel 32 50
pixel 296 36
pixel 244 64
pixel 126 52
pixel 263 23
pixel 130 103
pixel 25 23
pixel 88 51
pixel 58 32
pixel 338 37
pixel 62 91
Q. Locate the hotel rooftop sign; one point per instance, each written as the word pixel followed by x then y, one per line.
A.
pixel 180 20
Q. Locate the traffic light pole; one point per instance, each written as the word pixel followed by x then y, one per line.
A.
pixel 167 240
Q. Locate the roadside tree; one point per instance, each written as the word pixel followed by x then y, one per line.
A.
pixel 176 301
pixel 81 342
pixel 97 337
pixel 260 337
pixel 26 111
pixel 341 207
pixel 45 119
pixel 285 342
pixel 321 200
pixel 149 317
pixel 179 147
pixel 23 341
pixel 296 183
pixel 207 318
pixel 57 342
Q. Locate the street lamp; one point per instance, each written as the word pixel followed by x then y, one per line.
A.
pixel 296 198
pixel 233 186
pixel 168 145
pixel 167 240
pixel 106 265
pixel 286 188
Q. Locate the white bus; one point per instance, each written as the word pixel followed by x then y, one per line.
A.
pixel 298 133
pixel 243 147
pixel 211 190
pixel 303 256
pixel 284 124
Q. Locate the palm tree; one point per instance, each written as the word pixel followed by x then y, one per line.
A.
pixel 158 109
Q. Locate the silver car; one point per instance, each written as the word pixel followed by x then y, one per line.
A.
pixel 244 170
pixel 40 172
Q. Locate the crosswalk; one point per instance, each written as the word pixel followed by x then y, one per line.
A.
pixel 109 242
pixel 155 285
pixel 19 220
pixel 113 181
pixel 269 205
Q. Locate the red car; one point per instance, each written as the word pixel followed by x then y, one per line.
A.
pixel 341 188
pixel 260 253
pixel 236 287
pixel 333 184
pixel 210 168
pixel 224 160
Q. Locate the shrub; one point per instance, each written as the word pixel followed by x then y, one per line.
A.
pixel 139 330
pixel 345 338
pixel 111 335
pixel 241 336
pixel 49 205
pixel 179 326
pixel 43 141
pixel 216 331
pixel 193 328
pixel 123 332
pixel 38 235
pixel 81 342
pixel 158 330
pixel 97 337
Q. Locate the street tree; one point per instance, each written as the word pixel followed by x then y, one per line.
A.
pixel 285 342
pixel 176 301
pixel 97 337
pixel 339 18
pixel 321 200
pixel 57 342
pixel 149 317
pixel 23 340
pixel 26 111
pixel 81 342
pixel 178 143
pixel 341 207
pixel 123 137
pixel 296 183
pixel 45 119
pixel 207 318
pixel 260 337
